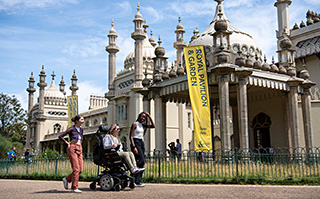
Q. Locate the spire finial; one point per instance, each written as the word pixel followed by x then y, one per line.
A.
pixel 145 26
pixel 138 8
pixel 151 33
pixel 179 18
pixel 53 75
pixel 219 1
pixel 159 42
pixel 112 23
pixel 31 73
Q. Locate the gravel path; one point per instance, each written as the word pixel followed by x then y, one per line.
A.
pixel 33 189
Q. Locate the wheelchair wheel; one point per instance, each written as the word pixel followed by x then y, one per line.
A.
pixel 131 185
pixel 124 184
pixel 93 186
pixel 117 187
pixel 106 182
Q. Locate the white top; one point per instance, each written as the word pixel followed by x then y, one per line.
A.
pixel 109 140
pixel 79 137
pixel 138 132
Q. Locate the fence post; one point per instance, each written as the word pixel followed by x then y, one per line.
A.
pixel 27 171
pixel 57 158
pixel 159 165
pixel 236 159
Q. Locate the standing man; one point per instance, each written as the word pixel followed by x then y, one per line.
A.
pixel 178 148
pixel 12 154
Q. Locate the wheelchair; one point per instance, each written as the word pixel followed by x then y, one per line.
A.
pixel 114 176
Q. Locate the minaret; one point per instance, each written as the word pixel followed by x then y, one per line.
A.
pixel 283 19
pixel 62 86
pixel 112 49
pixel 138 35
pixel 30 90
pixel 74 86
pixel 40 117
pixel 180 43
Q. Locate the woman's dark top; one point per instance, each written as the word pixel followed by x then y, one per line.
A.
pixel 73 134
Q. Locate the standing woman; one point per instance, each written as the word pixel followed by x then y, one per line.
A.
pixel 137 145
pixel 74 152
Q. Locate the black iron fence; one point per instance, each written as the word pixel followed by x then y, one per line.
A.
pixel 281 163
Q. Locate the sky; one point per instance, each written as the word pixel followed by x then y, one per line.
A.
pixel 68 35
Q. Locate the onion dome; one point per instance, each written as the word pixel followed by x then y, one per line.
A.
pixel 302 24
pixel 238 39
pixel 257 64
pixel 146 81
pixel 248 63
pixel 273 67
pixel 180 70
pixel 152 40
pixel 147 54
pixel 52 95
pixel 285 43
pixel 160 51
pixel 282 69
pixel 309 22
pixel 304 74
pixel 179 26
pixel 157 78
pixel 172 73
pixel 295 27
pixel 165 76
pixel 112 30
pixel 220 25
pixel 265 65
pixel 138 15
pixel 291 71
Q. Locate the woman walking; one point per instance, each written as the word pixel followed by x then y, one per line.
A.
pixel 74 152
pixel 137 131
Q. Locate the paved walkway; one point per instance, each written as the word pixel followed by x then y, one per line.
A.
pixel 21 189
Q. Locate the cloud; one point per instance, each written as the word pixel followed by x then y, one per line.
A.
pixel 85 48
pixel 86 89
pixel 25 4
pixel 192 8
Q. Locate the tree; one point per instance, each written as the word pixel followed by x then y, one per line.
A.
pixel 13 118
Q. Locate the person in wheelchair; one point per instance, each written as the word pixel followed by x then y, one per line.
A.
pixel 111 141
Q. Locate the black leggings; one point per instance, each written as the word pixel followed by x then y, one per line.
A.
pixel 139 144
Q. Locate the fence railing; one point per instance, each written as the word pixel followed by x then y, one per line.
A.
pixel 284 163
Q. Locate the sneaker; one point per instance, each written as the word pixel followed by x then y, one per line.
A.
pixel 140 184
pixel 76 191
pixel 65 183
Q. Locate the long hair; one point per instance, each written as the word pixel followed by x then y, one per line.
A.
pixel 112 128
pixel 144 124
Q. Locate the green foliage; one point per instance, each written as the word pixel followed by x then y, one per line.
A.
pixel 49 154
pixel 12 119
pixel 5 146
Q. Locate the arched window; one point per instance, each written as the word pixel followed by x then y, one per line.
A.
pixel 56 128
pixel 261 124
pixel 95 122
pixel 105 120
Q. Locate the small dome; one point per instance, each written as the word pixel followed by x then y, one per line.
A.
pixel 282 70
pixel 179 26
pixel 220 25
pixel 295 27
pixel 160 51
pixel 285 43
pixel 138 15
pixel 53 92
pixel 180 71
pixel 172 73
pixel 145 82
pixel 304 74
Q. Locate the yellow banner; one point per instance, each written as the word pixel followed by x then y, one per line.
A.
pixel 199 96
pixel 72 108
